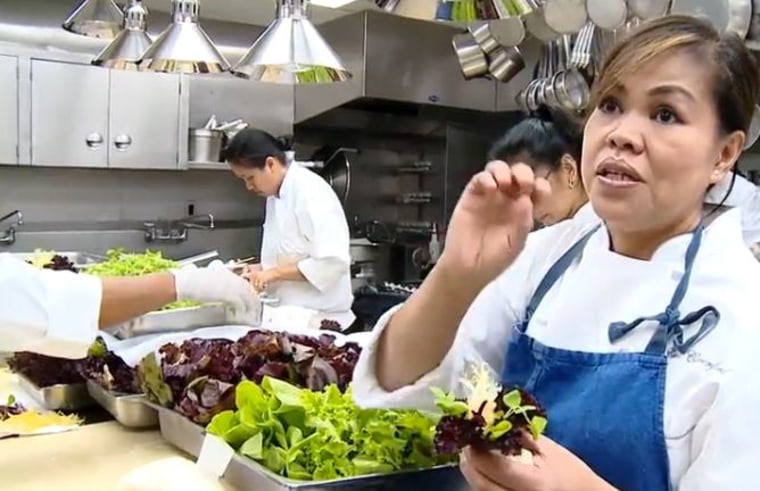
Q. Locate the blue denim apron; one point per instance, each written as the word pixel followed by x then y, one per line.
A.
pixel 607 408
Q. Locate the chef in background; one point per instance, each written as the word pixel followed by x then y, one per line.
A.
pixel 550 143
pixel 59 313
pixel 305 259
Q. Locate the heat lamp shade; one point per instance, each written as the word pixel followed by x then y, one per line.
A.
pixel 291 51
pixel 125 51
pixel 184 47
pixel 95 18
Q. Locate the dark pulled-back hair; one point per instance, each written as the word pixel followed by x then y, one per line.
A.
pixel 541 139
pixel 251 148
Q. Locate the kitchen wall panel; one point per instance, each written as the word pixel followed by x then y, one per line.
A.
pixel 96 210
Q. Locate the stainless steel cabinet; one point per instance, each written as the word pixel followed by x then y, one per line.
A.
pixel 69 115
pixel 9 110
pixel 85 116
pixel 144 120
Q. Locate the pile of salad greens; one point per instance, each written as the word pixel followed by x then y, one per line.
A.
pixel 197 377
pixel 101 365
pixel 323 435
pixel 121 263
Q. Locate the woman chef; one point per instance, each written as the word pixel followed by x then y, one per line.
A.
pixel 58 313
pixel 639 335
pixel 305 258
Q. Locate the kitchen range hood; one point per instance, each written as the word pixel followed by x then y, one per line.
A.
pixel 95 18
pixel 398 65
pixel 184 47
pixel 126 50
pixel 291 51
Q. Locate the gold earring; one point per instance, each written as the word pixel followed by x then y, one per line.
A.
pixel 571 184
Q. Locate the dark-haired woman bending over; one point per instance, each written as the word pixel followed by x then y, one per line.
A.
pixel 551 145
pixel 305 260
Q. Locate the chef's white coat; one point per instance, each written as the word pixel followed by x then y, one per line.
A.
pixel 306 224
pixel 50 312
pixel 712 393
pixel 745 196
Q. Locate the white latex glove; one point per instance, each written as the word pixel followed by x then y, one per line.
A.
pixel 171 474
pixel 214 283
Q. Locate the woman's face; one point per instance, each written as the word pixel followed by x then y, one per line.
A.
pixel 567 192
pixel 652 146
pixel 264 182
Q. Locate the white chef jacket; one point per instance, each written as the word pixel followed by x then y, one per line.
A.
pixel 306 223
pixel 745 196
pixel 712 393
pixel 50 312
pixel 586 214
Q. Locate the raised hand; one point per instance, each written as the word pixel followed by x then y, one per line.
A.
pixel 491 222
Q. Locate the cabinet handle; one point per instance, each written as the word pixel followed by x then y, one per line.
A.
pixel 122 142
pixel 94 140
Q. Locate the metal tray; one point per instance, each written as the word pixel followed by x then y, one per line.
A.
pixel 177 320
pixel 246 475
pixel 178 430
pixel 60 397
pixel 78 258
pixel 128 409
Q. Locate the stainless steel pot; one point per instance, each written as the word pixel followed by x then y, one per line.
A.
pixel 205 145
pixel 506 63
pixel 472 59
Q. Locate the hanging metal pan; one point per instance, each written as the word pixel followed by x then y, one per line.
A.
pixel 472 59
pixel 607 14
pixel 753 36
pixel 565 16
pixel 726 15
pixel 536 25
pixel 648 9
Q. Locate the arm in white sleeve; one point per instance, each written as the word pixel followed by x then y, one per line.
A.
pixel 489 318
pixel 50 312
pixel 324 224
pixel 725 451
pixel 484 330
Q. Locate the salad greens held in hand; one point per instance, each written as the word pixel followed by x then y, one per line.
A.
pixel 316 436
pixel 491 418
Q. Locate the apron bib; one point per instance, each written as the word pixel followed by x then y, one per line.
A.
pixel 607 408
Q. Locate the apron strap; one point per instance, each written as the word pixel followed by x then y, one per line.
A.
pixel 670 324
pixel 551 277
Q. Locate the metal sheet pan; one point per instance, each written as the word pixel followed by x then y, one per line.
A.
pixel 128 409
pixel 177 320
pixel 178 430
pixel 60 397
pixel 246 475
